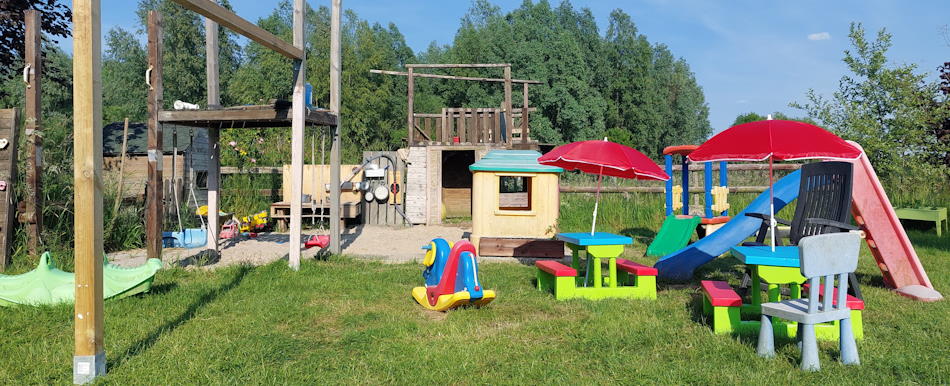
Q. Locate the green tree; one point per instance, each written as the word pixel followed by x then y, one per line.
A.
pixel 755 117
pixel 891 110
pixel 123 72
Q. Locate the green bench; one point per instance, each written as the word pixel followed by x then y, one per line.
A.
pixel 937 215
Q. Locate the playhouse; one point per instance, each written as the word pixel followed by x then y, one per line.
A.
pixel 515 205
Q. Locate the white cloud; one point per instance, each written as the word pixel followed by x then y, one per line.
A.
pixel 742 101
pixel 819 36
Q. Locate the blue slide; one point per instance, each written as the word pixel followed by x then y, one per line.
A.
pixel 680 265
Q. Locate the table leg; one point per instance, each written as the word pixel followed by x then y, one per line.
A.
pixel 598 282
pixel 575 256
pixel 756 290
pixel 794 291
pixel 774 292
pixel 612 263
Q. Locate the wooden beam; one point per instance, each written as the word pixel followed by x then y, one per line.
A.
pixel 437 76
pixel 89 360
pixel 246 118
pixel 461 65
pixel 335 76
pixel 209 9
pixel 509 118
pixel 255 170
pixel 524 115
pixel 297 139
pixel 214 135
pixel 32 213
pixel 409 107
pixel 154 211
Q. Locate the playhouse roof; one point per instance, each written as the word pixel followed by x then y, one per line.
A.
pixel 512 161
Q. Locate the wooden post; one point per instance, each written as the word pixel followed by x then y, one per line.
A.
pixel 89 359
pixel 524 116
pixel 476 126
pixel 299 110
pixel 9 127
pixel 509 114
pixel 154 205
pixel 445 127
pixel 32 213
pixel 463 125
pixel 335 73
pixel 409 106
pixel 214 135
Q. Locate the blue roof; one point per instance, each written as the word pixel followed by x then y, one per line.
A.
pixel 512 161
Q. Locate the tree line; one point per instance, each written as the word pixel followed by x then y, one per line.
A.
pixel 616 83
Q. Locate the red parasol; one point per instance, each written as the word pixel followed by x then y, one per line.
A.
pixel 774 139
pixel 604 158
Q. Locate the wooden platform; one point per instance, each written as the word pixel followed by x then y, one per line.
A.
pixel 276 114
pixel 280 211
pixel 518 247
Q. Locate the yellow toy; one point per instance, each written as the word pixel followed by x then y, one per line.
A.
pixel 451 275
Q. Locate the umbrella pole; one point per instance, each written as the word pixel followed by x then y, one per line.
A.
pixel 771 205
pixel 593 223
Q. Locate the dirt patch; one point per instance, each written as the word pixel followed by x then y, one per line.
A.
pixel 386 243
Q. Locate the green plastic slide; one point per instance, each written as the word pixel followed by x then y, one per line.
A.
pixel 673 235
pixel 47 284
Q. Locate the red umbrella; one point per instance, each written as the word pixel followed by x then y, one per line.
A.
pixel 604 158
pixel 774 139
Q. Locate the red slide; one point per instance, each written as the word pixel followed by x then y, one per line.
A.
pixel 885 235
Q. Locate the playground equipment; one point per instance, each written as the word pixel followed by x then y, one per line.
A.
pixel 254 223
pixel 681 264
pixel 321 241
pixel 515 205
pixel 885 236
pixel 451 277
pixel 47 284
pixel 625 279
pixel 824 258
pixel 188 238
pixel 676 230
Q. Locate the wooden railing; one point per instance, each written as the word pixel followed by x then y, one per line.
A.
pixel 468 126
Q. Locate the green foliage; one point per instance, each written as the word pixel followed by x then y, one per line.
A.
pixel 893 111
pixel 755 117
pixel 591 83
pixel 123 74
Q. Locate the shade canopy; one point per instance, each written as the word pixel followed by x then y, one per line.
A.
pixel 779 139
pixel 604 158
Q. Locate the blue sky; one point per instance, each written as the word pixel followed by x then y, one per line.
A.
pixel 747 55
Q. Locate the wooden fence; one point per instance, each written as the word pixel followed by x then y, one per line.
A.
pixel 467 126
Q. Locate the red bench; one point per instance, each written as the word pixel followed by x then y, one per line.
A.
pixel 555 268
pixel 853 302
pixel 721 294
pixel 635 268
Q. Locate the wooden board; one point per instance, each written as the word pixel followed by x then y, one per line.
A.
pixel 237 24
pixel 245 117
pixel 315 180
pixel 457 202
pixel 8 158
pixel 512 247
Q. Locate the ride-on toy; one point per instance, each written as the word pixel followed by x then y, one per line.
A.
pixel 451 276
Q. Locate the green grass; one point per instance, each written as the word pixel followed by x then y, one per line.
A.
pixel 353 321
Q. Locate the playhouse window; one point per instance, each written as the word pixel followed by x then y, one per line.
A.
pixel 514 193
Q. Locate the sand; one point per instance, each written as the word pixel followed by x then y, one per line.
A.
pixel 387 243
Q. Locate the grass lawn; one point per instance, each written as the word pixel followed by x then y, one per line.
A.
pixel 353 321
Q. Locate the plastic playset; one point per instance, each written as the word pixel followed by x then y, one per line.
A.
pixel 451 277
